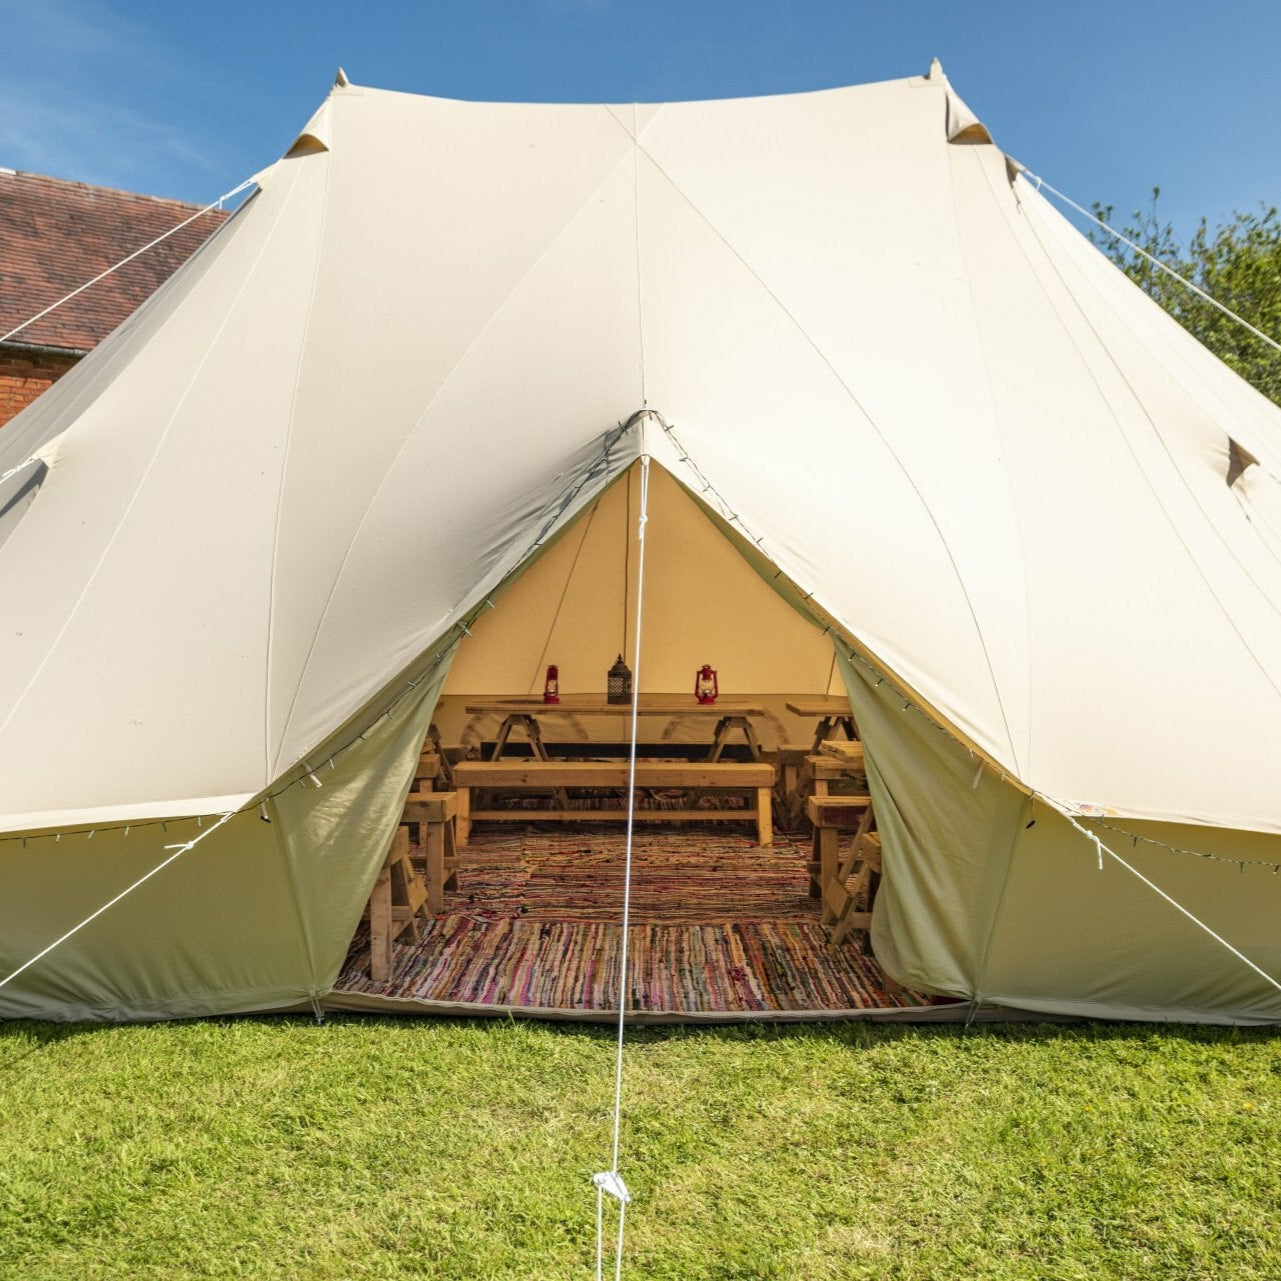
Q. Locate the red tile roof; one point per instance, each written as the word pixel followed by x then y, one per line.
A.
pixel 56 235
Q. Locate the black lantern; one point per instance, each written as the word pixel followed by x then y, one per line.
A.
pixel 618 685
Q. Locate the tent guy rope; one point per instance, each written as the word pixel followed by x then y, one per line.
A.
pixel 1102 848
pixel 102 275
pixel 1041 184
pixel 611 1181
pixel 178 852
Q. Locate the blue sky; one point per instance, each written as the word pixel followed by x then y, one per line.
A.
pixel 1104 100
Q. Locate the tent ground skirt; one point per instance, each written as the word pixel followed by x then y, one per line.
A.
pixel 721 929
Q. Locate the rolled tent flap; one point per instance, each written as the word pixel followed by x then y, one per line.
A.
pixel 963 126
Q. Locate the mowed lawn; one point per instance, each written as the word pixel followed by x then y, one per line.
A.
pixel 399 1148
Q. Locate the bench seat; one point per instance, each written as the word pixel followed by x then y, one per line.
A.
pixel 754 777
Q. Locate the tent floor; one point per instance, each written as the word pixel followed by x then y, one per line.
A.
pixel 721 929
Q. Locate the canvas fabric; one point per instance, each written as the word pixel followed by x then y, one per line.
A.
pixel 439 331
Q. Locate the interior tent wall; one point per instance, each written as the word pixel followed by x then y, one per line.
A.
pixel 575 607
pixel 259 916
pixel 992 895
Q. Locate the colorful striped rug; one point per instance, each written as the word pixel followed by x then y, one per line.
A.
pixel 561 872
pixel 719 926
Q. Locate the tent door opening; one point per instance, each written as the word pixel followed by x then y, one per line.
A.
pixel 726 923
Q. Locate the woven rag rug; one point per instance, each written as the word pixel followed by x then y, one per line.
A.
pixel 719 925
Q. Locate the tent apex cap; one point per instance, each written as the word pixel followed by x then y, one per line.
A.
pixel 936 70
pixel 340 80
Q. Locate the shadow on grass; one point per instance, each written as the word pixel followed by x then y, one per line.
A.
pixel 20 1039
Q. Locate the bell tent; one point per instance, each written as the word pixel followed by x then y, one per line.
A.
pixel 956 458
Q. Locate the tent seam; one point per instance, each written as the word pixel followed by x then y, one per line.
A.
pixel 284 473
pixel 955 156
pixel 998 910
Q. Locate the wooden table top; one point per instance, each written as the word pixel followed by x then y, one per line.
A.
pixel 598 705
pixel 821 705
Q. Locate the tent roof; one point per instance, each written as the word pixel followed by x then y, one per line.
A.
pixel 927 398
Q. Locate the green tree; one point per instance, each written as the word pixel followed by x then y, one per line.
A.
pixel 1238 263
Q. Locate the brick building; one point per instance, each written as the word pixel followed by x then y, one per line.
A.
pixel 55 236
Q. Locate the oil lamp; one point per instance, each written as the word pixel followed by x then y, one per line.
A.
pixel 551 685
pixel 706 686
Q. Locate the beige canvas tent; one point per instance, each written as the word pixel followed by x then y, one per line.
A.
pixel 243 542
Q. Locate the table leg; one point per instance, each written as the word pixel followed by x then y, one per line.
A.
pixel 535 736
pixel 380 928
pixel 434 841
pixel 718 738
pixel 764 821
pixel 723 728
pixel 824 731
pixel 504 733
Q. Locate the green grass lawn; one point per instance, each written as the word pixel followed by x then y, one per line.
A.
pixel 386 1148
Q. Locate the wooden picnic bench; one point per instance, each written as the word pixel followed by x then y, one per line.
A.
pixel 754 777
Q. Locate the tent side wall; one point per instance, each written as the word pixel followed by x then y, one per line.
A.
pixel 991 895
pixel 256 917
pixel 214 932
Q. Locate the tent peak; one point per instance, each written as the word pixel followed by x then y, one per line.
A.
pixel 340 80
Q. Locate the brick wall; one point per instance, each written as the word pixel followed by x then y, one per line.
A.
pixel 25 374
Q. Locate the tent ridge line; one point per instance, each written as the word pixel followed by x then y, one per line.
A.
pixel 280 491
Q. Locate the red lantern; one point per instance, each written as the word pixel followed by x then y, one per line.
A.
pixel 551 686
pixel 706 686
